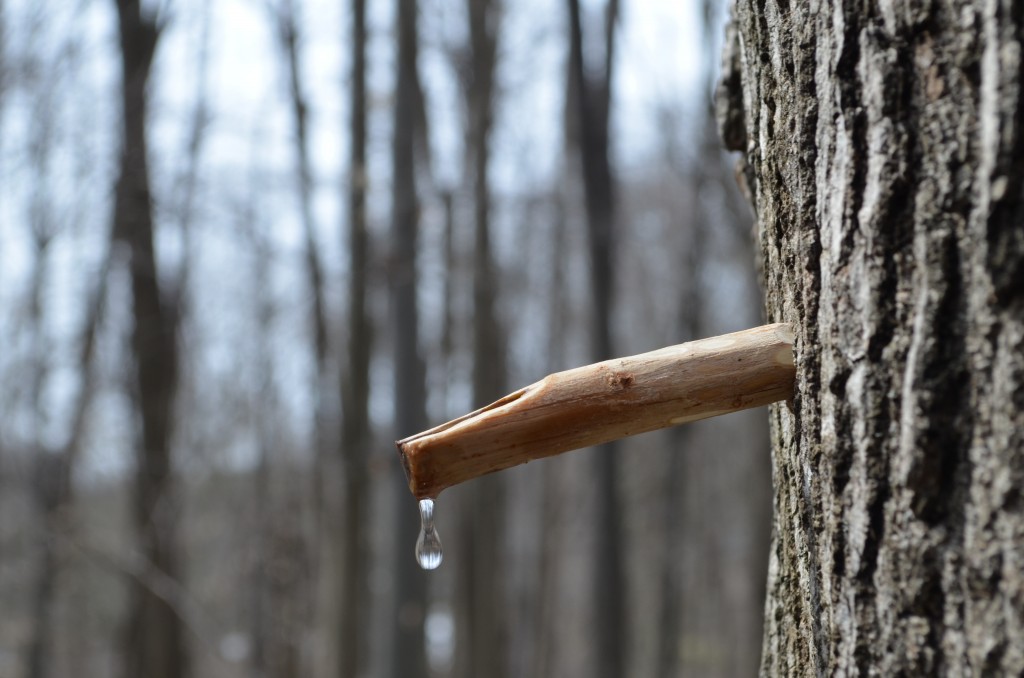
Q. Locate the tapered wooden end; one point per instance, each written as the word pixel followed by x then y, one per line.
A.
pixel 605 401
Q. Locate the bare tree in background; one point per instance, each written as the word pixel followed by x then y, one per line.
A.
pixel 355 384
pixel 54 473
pixel 481 645
pixel 689 323
pixel 4 66
pixel 593 106
pixel 190 179
pixel 46 488
pixel 154 645
pixel 446 350
pixel 548 584
pixel 714 505
pixel 290 39
pixel 545 593
pixel 409 655
pixel 305 549
pixel 277 564
pixel 53 465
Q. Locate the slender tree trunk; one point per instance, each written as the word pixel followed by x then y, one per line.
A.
pixel 46 487
pixel 297 543
pixel 355 385
pixel 53 482
pixel 267 637
pixel 4 67
pixel 287 577
pixel 263 639
pixel 39 651
pixel 551 491
pixel 885 157
pixel 410 396
pixel 190 179
pixel 545 599
pixel 482 639
pixel 290 39
pixel 488 352
pixel 451 272
pixel 673 603
pixel 45 490
pixel 593 106
pixel 154 645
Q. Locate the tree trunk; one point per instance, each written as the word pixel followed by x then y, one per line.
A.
pixel 545 598
pixel 45 481
pixel 593 107
pixel 688 327
pixel 269 642
pixel 154 645
pixel 409 652
pixel 482 636
pixel 885 158
pixel 355 387
pixel 289 35
pixel 303 543
pixel 55 471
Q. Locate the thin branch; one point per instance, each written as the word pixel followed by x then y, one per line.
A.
pixel 135 565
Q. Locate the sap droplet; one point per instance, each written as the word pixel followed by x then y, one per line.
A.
pixel 428 545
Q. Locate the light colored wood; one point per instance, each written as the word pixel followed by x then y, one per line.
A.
pixel 597 403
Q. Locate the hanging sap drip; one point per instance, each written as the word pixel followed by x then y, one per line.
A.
pixel 428 545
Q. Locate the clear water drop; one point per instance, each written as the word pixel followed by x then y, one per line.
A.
pixel 428 545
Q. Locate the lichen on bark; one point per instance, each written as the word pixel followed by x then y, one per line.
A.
pixel 883 149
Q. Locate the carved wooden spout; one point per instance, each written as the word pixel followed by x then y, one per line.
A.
pixel 597 403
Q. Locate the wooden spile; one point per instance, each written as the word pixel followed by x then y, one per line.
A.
pixel 597 403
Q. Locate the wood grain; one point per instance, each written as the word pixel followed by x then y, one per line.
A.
pixel 597 403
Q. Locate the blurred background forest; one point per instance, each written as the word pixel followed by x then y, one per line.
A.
pixel 247 244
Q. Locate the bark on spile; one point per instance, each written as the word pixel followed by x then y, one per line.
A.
pixel 886 164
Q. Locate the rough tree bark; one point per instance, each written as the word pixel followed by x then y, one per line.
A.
pixel 884 151
pixel 154 643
